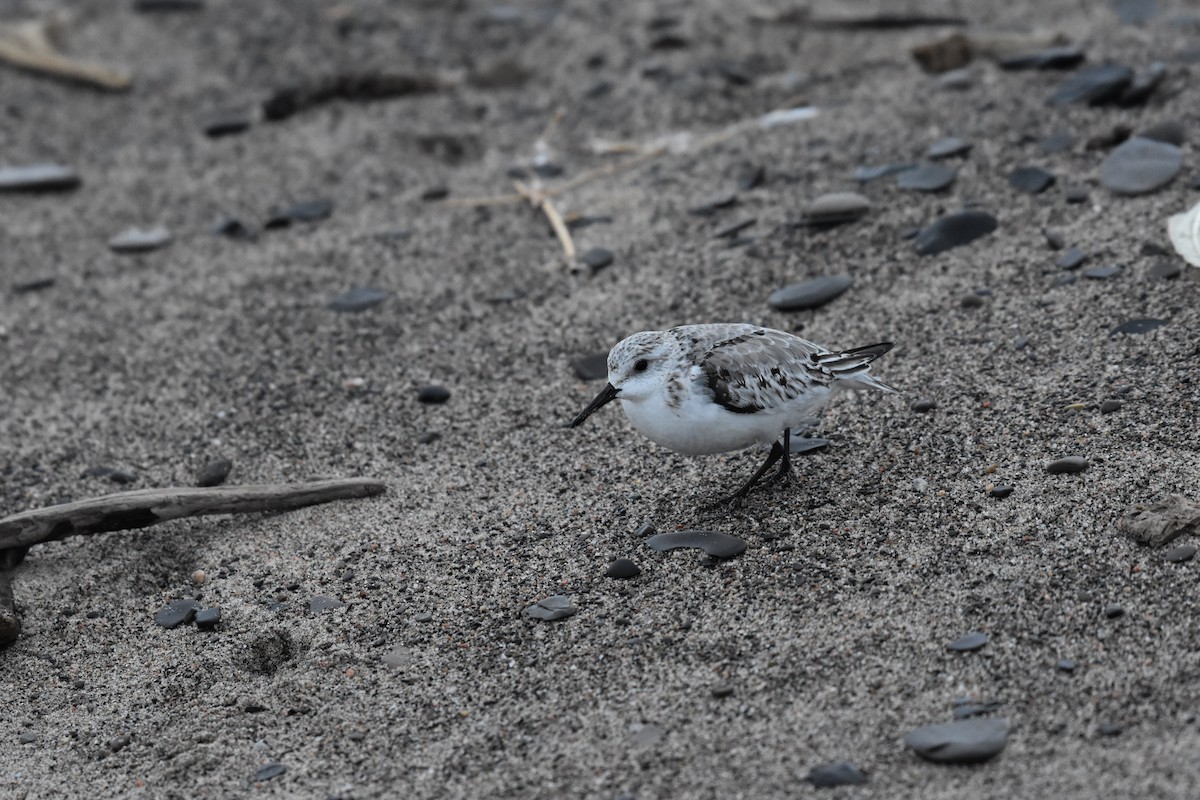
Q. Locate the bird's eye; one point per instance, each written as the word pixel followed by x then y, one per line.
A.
pixel 641 365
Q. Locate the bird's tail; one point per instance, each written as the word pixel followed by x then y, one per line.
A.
pixel 854 366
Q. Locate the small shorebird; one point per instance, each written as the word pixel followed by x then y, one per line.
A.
pixel 701 389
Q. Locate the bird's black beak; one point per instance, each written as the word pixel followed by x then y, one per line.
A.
pixel 606 396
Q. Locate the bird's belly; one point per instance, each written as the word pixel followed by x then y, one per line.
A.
pixel 701 428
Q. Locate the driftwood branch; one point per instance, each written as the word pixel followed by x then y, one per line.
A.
pixel 29 45
pixel 140 509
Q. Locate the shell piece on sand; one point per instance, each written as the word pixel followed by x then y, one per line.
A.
pixel 1184 230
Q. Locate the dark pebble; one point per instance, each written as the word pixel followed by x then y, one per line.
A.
pixel 552 608
pixel 954 230
pixel 713 203
pixel 1102 273
pixel 35 285
pixel 435 193
pixel 1021 342
pixel 136 240
pixel 214 472
pixel 947 147
pixel 927 178
pixel 596 258
pixel 1057 142
pixel 1145 81
pixel 1111 729
pixel 119 743
pixel 1033 180
pixel 835 208
pixel 968 710
pixel 1001 491
pixel 1164 269
pixel 207 619
pixel 1137 326
pixel 591 368
pixel 1065 665
pixel 1140 165
pixel 1093 85
pixel 1054 239
pixel 1063 57
pixel 923 405
pixel 269 771
pixel 645 529
pixel 27 738
pixel 176 613
pixel 121 476
pixel 38 178
pixel 868 174
pixel 751 176
pixel 432 393
pixel 360 298
pixel 971 300
pixel 310 211
pixel 722 690
pixel 798 445
pixel 967 741
pixel 1180 553
pixel 714 543
pixel 840 774
pixel 1068 465
pixel 1073 258
pixel 227 124
pixel 812 293
pixel 1170 131
pixel 623 569
pixel 1109 406
pixel 1114 610
pixel 1075 194
pixel 729 231
pixel 968 643
pixel 168 5
pixel 233 228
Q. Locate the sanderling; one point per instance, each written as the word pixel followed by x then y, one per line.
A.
pixel 701 389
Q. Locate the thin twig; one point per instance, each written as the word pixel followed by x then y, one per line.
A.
pixel 538 199
pixel 140 509
pixel 27 45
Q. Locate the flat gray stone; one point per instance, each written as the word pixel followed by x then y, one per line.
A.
pixel 1138 326
pixel 841 774
pixel 136 240
pixel 812 293
pixel 176 613
pixel 927 178
pixel 968 741
pixel 1140 165
pixel 954 230
pixel 320 603
pixel 552 608
pixel 835 208
pixel 968 643
pixel 357 299
pixel 1068 465
pixel 947 147
pixel 38 178
pixel 1033 180
pixel 868 174
pixel 1093 85
pixel 714 543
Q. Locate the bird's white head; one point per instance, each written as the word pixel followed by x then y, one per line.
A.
pixel 638 367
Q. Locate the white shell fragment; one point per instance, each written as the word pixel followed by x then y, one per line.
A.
pixel 1184 230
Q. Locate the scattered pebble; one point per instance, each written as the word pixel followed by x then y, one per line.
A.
pixel 1140 165
pixel 597 258
pixel 948 147
pixel 1109 406
pixel 713 203
pixel 269 771
pixel 227 124
pixel 167 5
pixel 433 394
pixel 1057 142
pixel 309 211
pixel 136 240
pixel 968 643
pixel 868 174
pixel 722 690
pixel 967 741
pixel 1164 269
pixel 27 738
pixel 320 603
pixel 1075 194
pixel 971 300
pixel 835 208
pixel 923 405
pixel 1093 85
pixel 1073 258
pixel 1162 521
pixel 799 445
pixel 953 231
pixel 812 293
pixel 119 743
pixel 35 285
pixel 840 774
pixel 957 79
pixel 38 178
pixel 1180 553
pixel 966 710
pixel 1114 611
pixel 360 298
pixel 1033 180
pixel 1138 326
pixel 1068 465
pixel 591 368
pixel 1145 81
pixel 1170 131
pixel 551 608
pixel 714 543
pixel 623 569
pixel 214 472
pixel 1065 665
pixel 733 229
pixel 927 178
pixel 1063 57
pixel 233 228
pixel 208 619
pixel 1054 239
pixel 1001 491
pixel 1111 729
pixel 1102 273
pixel 176 613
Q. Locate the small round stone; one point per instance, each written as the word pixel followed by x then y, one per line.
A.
pixel 214 472
pixel 136 240
pixel 1001 491
pixel 1109 406
pixel 841 774
pixel 947 147
pixel 1180 553
pixel 1067 465
pixel 176 613
pixel 1140 165
pixel 966 741
pixel 1065 665
pixel 968 643
pixel 552 608
pixel 722 690
pixel 923 405
pixel 207 619
pixel 1114 610
pixel 1033 180
pixel 835 208
pixel 433 394
pixel 809 294
pixel 597 258
pixel 357 299
pixel 927 178
pixel 623 569
pixel 199 577
pixel 1102 273
pixel 1111 729
pixel 1072 258
pixel 714 543
pixel 953 231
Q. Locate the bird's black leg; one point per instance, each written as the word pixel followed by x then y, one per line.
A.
pixel 785 465
pixel 777 452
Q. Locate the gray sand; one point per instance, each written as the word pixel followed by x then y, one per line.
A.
pixel 831 628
